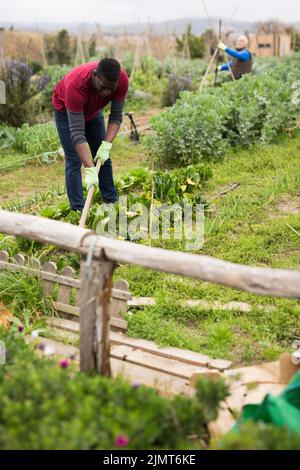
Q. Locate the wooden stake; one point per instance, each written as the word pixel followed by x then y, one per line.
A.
pixel 96 278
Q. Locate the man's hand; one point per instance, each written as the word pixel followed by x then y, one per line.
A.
pixel 103 152
pixel 222 46
pixel 91 177
pixel 219 68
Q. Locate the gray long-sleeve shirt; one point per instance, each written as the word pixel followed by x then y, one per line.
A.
pixel 77 121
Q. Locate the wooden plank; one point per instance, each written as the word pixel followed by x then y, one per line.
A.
pixel 261 281
pixel 47 273
pixel 44 230
pixel 115 323
pixel 65 292
pixel 154 362
pixel 264 373
pixel 69 309
pixel 166 384
pixel 118 324
pixel 19 259
pixel 48 268
pixel 63 324
pixel 141 302
pixel 121 294
pixel 220 364
pixel 118 306
pixel 188 357
pixel 257 395
pixel 137 302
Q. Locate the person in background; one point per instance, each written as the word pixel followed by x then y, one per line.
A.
pixel 241 62
pixel 78 101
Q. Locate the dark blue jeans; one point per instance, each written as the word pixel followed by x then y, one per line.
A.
pixel 94 133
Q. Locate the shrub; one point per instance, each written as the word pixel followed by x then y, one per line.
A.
pixel 20 89
pixel 196 43
pixel 20 291
pixel 45 406
pixel 190 131
pixel 205 125
pixel 259 436
pixel 176 84
pixel 55 74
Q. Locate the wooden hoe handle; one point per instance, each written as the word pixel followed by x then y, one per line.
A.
pixel 88 200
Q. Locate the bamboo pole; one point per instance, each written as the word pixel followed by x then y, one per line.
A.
pixel 208 69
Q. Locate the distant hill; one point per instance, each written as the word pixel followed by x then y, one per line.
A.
pixel 199 25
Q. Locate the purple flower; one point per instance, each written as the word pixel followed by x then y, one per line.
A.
pixel 20 328
pixel 136 385
pixel 122 441
pixel 42 82
pixel 41 346
pixel 16 75
pixel 64 363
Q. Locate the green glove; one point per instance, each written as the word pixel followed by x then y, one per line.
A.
pixel 91 177
pixel 103 152
pixel 219 68
pixel 222 46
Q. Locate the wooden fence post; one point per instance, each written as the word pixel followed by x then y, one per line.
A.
pixel 96 278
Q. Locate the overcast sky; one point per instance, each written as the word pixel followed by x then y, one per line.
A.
pixel 124 11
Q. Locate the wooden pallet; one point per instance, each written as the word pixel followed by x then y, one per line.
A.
pixel 68 288
pixel 169 369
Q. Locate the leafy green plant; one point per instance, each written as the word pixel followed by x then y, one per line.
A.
pixel 259 436
pixel 27 325
pixel 39 408
pixel 7 137
pixel 34 140
pixel 190 132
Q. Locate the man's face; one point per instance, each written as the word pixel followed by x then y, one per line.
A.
pixel 241 43
pixel 104 86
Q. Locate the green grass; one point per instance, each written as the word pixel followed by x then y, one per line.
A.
pixel 257 224
pixel 24 183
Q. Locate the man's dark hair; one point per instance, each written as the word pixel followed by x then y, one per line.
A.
pixel 110 69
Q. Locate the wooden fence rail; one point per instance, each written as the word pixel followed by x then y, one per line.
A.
pixel 100 258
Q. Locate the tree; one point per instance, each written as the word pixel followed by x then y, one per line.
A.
pixel 195 44
pixel 271 27
pixel 92 44
pixel 295 36
pixel 59 49
pixel 63 47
